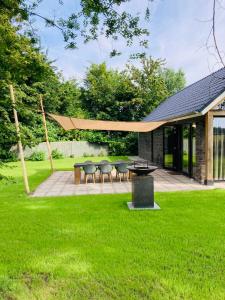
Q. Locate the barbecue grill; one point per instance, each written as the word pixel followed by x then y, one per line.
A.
pixel 142 186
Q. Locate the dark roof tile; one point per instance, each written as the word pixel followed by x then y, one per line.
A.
pixel 193 98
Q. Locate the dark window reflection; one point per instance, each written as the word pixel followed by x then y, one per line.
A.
pixel 168 147
pixel 185 152
pixel 219 149
pixel 193 149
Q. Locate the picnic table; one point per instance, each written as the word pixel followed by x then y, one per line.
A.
pixel 78 166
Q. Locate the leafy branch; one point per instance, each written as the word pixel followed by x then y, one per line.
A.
pixel 94 19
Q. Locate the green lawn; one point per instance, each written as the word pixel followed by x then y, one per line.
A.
pixel 93 247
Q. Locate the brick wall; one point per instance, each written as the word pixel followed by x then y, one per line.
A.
pixel 145 146
pixel 158 146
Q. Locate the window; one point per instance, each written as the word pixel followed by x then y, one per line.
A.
pixel 219 148
pixel 168 146
pixel 185 152
pixel 193 135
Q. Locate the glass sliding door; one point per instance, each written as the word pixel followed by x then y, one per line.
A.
pixel 186 130
pixel 180 148
pixel 168 146
pixel 189 149
pixel 193 150
pixel 219 148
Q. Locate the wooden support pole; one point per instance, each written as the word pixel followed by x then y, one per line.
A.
pixel 25 178
pixel 46 134
pixel 209 148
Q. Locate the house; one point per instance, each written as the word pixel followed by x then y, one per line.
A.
pixel 192 139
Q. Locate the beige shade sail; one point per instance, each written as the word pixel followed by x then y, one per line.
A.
pixel 69 123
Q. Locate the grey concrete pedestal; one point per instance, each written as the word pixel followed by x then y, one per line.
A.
pixel 143 193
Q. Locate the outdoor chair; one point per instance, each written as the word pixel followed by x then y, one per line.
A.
pixel 121 169
pixel 102 162
pixel 105 169
pixel 89 170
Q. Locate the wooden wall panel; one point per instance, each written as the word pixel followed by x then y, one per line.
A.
pixel 209 148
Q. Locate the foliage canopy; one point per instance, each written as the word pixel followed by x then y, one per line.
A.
pixel 106 94
pixel 86 22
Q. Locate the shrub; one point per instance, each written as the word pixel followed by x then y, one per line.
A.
pixel 102 153
pixel 12 157
pixel 37 156
pixel 56 154
pixel 117 148
pixel 87 155
pixel 7 179
pixel 118 143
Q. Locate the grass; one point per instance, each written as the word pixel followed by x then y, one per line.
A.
pixel 93 247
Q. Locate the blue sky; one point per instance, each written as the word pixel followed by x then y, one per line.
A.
pixel 178 33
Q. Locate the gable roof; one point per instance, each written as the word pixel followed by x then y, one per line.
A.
pixel 191 100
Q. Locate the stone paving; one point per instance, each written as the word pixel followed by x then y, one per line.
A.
pixel 61 183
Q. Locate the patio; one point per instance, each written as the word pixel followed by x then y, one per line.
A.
pixel 61 183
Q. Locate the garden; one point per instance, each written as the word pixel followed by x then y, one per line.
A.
pixel 93 247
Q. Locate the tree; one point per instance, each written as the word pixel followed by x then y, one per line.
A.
pixel 128 95
pixel 23 64
pixel 212 44
pixel 174 81
pixel 148 84
pixel 61 96
pixel 131 94
pixel 28 69
pixel 31 73
pixel 106 93
pixel 219 54
pixel 92 19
